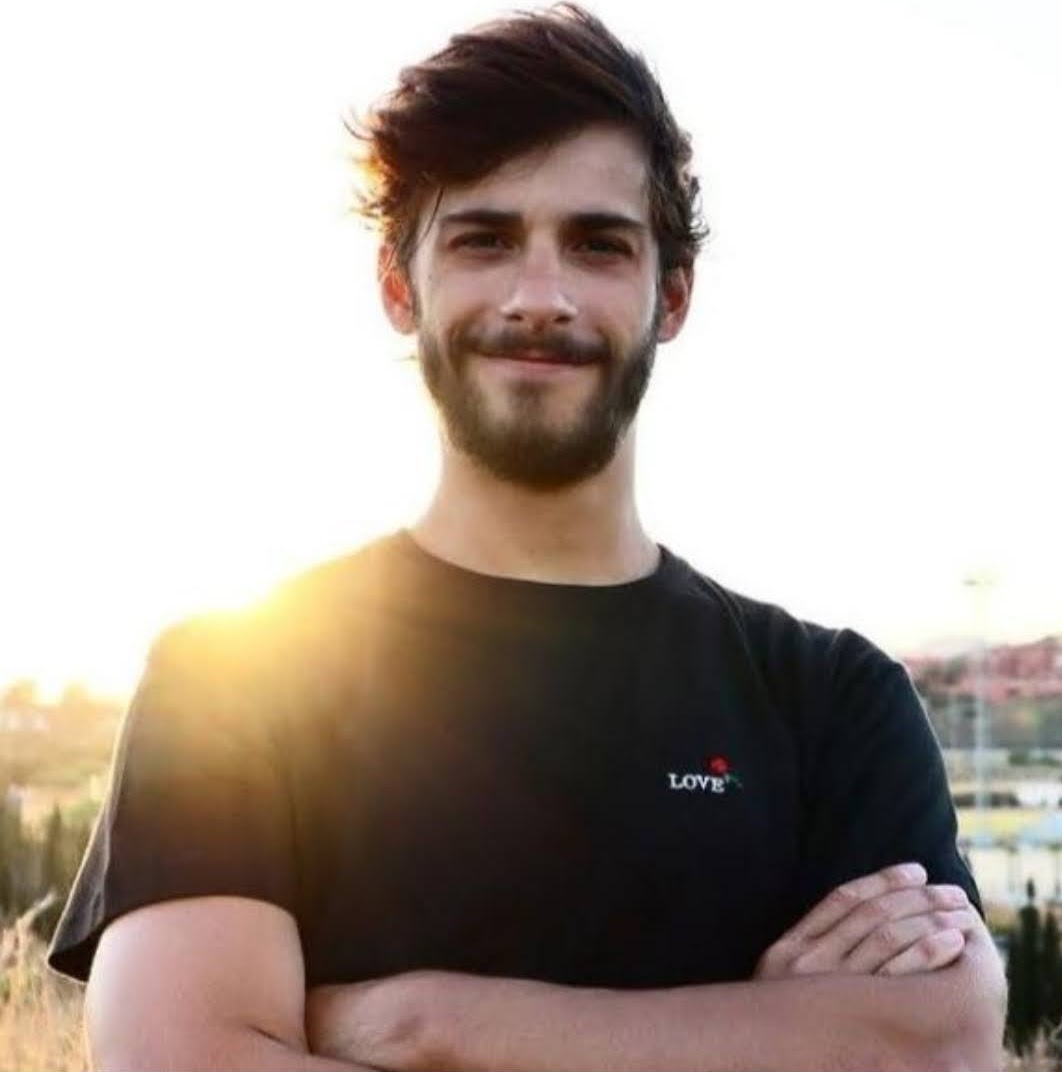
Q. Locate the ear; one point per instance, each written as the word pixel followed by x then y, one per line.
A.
pixel 676 290
pixel 396 291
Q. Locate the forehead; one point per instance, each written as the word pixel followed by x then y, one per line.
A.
pixel 601 169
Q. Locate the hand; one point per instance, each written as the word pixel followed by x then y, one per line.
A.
pixel 887 923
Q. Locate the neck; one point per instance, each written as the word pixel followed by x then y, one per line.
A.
pixel 587 534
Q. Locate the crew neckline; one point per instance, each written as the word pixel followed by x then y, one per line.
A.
pixel 403 541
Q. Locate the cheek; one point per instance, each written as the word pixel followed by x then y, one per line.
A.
pixel 628 311
pixel 450 300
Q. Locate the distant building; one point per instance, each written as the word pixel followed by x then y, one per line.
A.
pixel 1011 672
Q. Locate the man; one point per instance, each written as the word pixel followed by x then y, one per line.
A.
pixel 517 788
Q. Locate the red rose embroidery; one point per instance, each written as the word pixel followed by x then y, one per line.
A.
pixel 717 765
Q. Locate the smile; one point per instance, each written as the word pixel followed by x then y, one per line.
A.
pixel 536 363
pixel 551 358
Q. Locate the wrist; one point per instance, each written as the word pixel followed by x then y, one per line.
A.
pixel 383 1023
pixel 429 1008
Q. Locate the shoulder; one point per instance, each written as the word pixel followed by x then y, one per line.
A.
pixel 763 623
pixel 226 660
pixel 323 594
pixel 779 641
pixel 810 668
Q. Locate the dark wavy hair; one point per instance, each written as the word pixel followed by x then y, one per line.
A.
pixel 506 88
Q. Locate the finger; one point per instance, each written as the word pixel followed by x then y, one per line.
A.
pixel 891 939
pixel 826 952
pixel 839 902
pixel 934 951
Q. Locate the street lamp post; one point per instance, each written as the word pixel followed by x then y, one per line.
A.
pixel 980 584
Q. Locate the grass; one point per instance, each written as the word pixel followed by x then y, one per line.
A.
pixel 40 1012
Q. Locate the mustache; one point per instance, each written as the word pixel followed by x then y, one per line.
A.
pixel 511 342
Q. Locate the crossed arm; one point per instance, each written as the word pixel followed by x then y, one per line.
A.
pixel 886 973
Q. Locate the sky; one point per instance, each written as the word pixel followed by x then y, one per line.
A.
pixel 199 393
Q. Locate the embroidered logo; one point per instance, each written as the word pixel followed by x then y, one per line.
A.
pixel 718 777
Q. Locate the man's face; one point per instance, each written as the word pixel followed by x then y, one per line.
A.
pixel 535 297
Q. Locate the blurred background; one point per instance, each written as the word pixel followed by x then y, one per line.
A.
pixel 199 394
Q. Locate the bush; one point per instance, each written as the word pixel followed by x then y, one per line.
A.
pixel 1034 976
pixel 32 866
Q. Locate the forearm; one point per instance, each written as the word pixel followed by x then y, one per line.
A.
pixel 951 1019
pixel 828 1022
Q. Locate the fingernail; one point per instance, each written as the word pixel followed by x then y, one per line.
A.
pixel 914 872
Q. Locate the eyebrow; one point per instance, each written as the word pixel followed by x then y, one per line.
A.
pixel 586 221
pixel 607 221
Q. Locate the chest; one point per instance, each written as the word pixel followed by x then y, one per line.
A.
pixel 614 809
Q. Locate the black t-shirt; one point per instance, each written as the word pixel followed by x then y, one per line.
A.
pixel 636 785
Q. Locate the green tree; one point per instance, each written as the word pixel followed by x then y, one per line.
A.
pixel 1029 927
pixel 52 853
pixel 16 858
pixel 1024 977
pixel 52 869
pixel 1051 971
pixel 6 856
pixel 1018 1030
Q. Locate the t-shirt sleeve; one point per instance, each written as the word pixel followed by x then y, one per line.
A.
pixel 197 803
pixel 875 786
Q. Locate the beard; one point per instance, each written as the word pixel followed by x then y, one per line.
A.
pixel 523 446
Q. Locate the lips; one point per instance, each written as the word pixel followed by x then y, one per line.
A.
pixel 543 357
pixel 538 348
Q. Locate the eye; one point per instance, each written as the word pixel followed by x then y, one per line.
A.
pixel 487 241
pixel 604 246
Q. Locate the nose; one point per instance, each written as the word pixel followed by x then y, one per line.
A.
pixel 539 297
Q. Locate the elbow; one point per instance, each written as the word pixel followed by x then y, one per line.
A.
pixel 965 1032
pixel 976 1042
pixel 972 1051
pixel 977 1046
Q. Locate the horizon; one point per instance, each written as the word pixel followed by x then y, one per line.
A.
pixel 49 689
